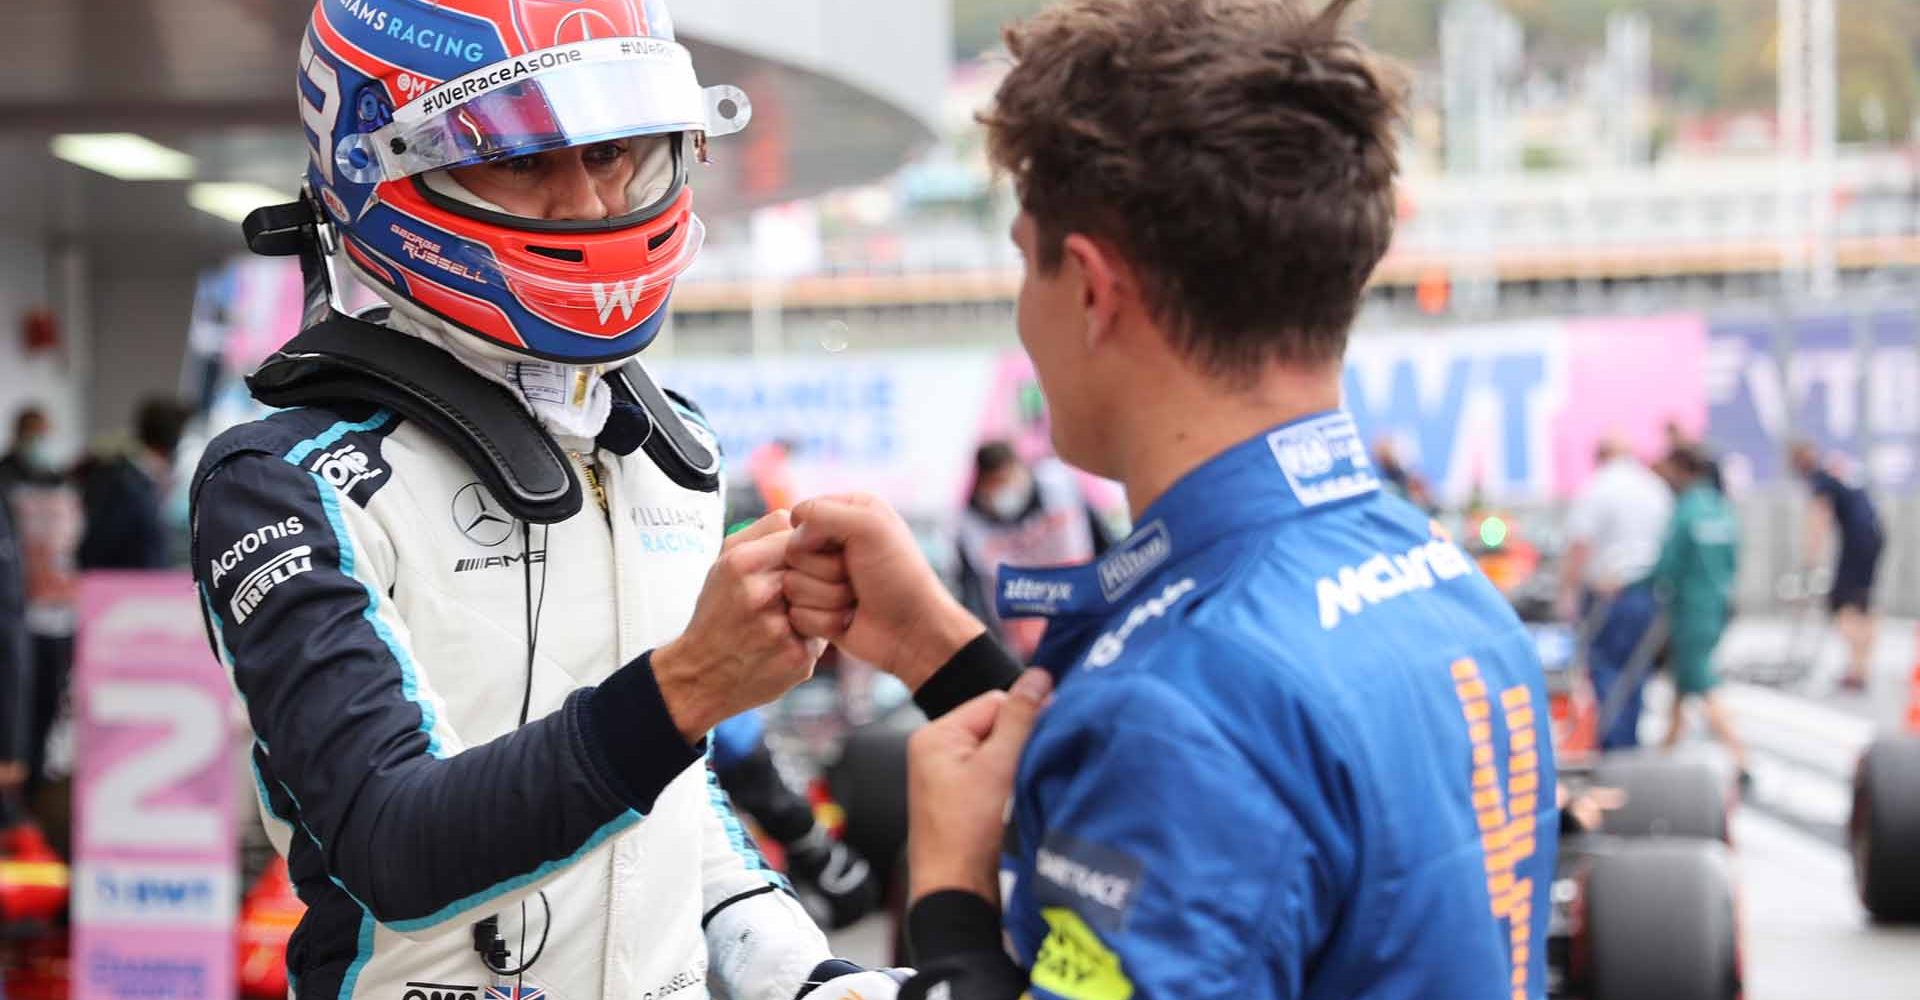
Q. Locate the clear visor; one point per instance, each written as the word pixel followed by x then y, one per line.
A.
pixel 567 96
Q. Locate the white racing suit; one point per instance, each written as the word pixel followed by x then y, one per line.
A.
pixel 373 603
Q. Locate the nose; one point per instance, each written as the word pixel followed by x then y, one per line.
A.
pixel 575 196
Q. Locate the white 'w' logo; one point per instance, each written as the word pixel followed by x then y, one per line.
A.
pixel 622 295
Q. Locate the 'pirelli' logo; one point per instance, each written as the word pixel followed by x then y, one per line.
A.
pixel 261 582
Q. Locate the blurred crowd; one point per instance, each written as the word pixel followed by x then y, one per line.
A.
pixel 1647 578
pixel 117 508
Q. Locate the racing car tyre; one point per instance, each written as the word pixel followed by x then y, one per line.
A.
pixel 870 783
pixel 1885 830
pixel 1660 923
pixel 1664 797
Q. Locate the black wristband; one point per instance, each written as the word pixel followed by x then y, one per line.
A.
pixel 631 738
pixel 980 666
pixel 951 922
pixel 955 939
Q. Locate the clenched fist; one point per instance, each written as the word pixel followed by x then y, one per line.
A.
pixel 858 579
pixel 740 651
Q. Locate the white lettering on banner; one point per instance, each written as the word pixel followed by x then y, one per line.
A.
pixel 251 542
pixel 622 295
pixel 261 582
pixel 120 801
pixel 1109 646
pixel 154 894
pixel 1355 588
pixel 137 618
pixel 1472 409
pixel 1026 591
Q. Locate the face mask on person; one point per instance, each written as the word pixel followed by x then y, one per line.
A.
pixel 1010 499
pixel 35 454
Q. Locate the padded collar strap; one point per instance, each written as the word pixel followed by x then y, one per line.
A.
pixel 673 446
pixel 343 359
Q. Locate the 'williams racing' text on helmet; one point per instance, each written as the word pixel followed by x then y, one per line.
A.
pixel 396 94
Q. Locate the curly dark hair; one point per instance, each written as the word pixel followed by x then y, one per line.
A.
pixel 1240 154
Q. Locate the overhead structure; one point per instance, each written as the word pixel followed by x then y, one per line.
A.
pixel 843 91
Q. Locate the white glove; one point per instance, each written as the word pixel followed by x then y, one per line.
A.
pixel 872 984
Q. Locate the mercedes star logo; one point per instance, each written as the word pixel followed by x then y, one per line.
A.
pixel 479 518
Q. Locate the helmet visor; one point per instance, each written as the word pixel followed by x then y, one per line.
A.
pixel 568 96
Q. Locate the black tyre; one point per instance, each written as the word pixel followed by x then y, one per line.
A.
pixel 1885 830
pixel 1660 923
pixel 870 783
pixel 1665 797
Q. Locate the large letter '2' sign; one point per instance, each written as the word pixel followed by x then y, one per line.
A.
pixel 154 888
pixel 123 804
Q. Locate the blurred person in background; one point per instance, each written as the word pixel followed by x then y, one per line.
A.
pixel 29 456
pixel 125 493
pixel 1615 531
pixel 483 627
pixel 1679 440
pixel 47 524
pixel 16 676
pixel 1694 578
pixel 1842 511
pixel 1276 699
pixel 1405 483
pixel 837 885
pixel 1023 515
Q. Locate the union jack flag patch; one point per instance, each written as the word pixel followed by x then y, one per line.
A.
pixel 516 993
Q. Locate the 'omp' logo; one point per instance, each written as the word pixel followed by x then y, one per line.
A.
pixel 345 467
pixel 261 582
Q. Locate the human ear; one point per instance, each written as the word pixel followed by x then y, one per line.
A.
pixel 1102 285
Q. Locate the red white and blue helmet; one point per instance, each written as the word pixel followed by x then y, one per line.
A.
pixel 394 93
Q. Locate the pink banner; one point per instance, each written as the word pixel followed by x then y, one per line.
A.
pixel 1016 412
pixel 1628 379
pixel 154 887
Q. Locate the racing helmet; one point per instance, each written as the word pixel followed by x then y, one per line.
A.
pixel 396 95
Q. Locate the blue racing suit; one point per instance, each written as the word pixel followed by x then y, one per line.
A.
pixel 1299 747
